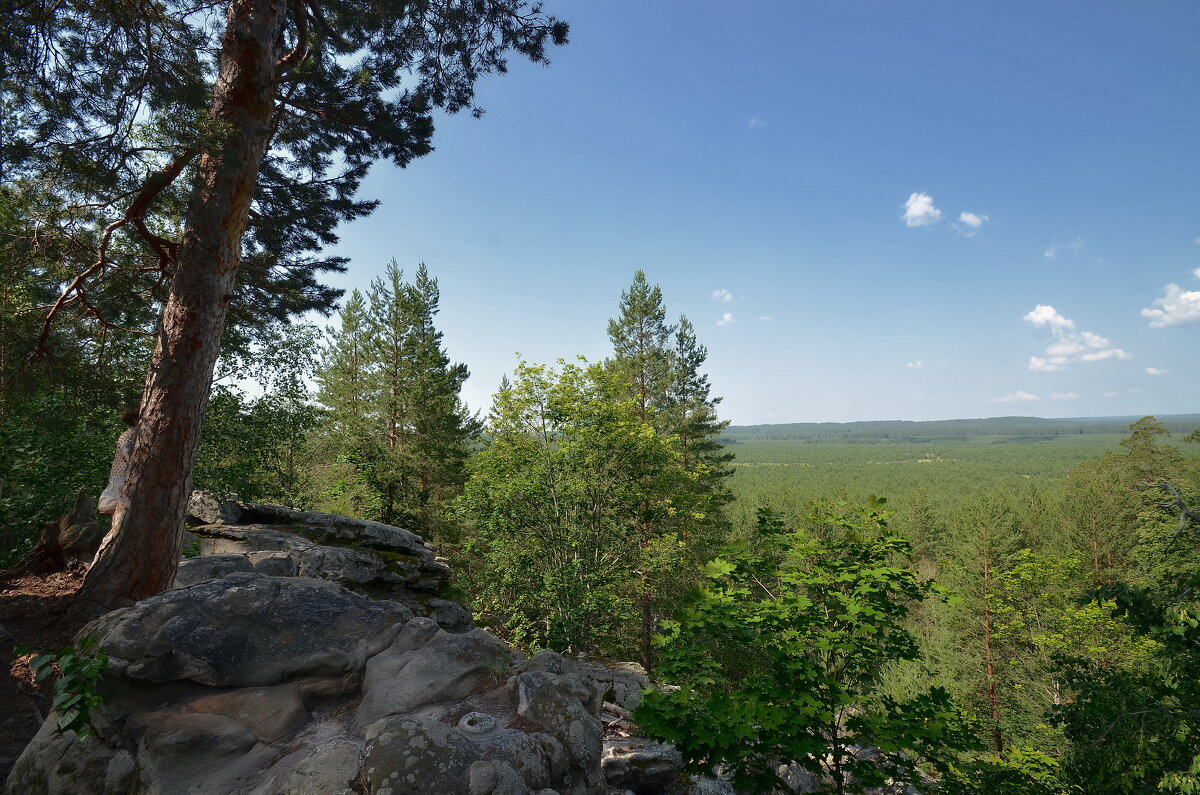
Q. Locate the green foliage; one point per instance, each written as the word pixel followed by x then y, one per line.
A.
pixel 78 669
pixel 566 503
pixel 106 111
pixel 1020 771
pixel 257 447
pixel 1134 729
pixel 660 367
pixel 51 451
pixel 397 437
pixel 778 657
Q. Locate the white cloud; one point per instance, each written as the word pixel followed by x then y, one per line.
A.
pixel 1178 306
pixel 722 295
pixel 1104 355
pixel 1045 315
pixel 726 319
pixel 1067 345
pixel 1157 370
pixel 756 122
pixel 1064 396
pixel 1052 365
pixel 1196 273
pixel 1016 397
pixel 970 223
pixel 764 317
pixel 919 210
pixel 971 219
pixel 1055 248
pixel 1111 394
pixel 917 365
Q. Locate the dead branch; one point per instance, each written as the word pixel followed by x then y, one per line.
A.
pixel 1176 502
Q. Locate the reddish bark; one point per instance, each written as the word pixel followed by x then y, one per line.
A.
pixel 997 737
pixel 139 556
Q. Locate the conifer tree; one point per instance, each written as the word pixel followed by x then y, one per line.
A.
pixel 397 421
pixel 983 539
pixel 390 322
pixel 439 423
pixel 346 389
pixel 693 415
pixel 641 340
pixel 660 364
pixel 344 380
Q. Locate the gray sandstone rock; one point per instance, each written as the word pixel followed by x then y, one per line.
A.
pixel 560 704
pixel 373 559
pixel 331 769
pixel 426 664
pixel 204 508
pixel 248 629
pixel 409 754
pixel 250 684
pixel 640 764
pixel 209 567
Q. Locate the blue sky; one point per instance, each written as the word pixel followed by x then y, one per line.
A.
pixel 870 210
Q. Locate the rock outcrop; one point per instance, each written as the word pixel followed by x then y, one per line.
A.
pixel 370 558
pixel 252 683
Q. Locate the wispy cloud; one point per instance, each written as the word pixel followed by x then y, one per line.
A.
pixel 919 210
pixel 766 318
pixel 1055 248
pixel 1157 371
pixel 919 364
pixel 1068 344
pixel 756 122
pixel 1020 396
pixel 1064 396
pixel 1111 394
pixel 726 319
pixel 722 295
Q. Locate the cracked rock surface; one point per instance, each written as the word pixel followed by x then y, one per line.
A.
pixel 259 684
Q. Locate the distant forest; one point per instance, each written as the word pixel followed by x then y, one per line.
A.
pixel 1028 428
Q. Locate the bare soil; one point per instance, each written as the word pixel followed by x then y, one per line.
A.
pixel 35 614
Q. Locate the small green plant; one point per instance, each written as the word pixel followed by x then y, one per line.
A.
pixel 75 693
pixel 192 550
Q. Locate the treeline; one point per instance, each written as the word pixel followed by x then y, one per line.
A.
pixel 944 430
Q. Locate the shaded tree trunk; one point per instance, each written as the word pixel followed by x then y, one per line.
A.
pixel 141 553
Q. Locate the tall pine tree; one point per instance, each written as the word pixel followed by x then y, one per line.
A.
pixel 659 364
pixel 398 427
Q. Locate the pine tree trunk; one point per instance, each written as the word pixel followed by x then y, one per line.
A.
pixel 141 553
pixel 993 696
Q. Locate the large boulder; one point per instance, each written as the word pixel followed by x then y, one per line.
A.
pixel 204 508
pixel 640 764
pixel 251 683
pixel 370 558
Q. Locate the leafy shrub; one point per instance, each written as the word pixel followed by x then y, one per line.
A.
pixel 75 693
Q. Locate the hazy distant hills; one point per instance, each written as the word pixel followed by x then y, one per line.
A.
pixel 1032 428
